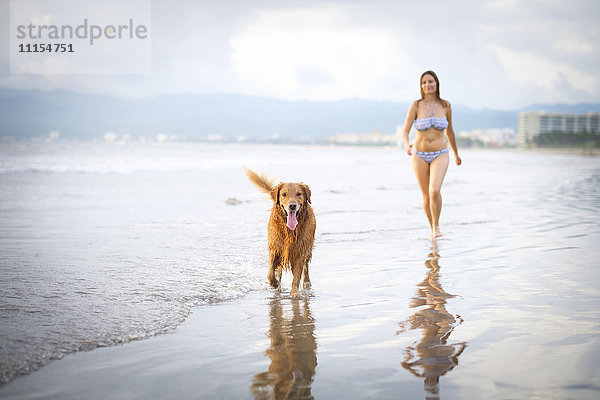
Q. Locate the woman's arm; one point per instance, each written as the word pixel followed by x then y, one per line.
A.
pixel 451 136
pixel 411 114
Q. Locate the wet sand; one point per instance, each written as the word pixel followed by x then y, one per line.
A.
pixel 364 331
pixel 505 305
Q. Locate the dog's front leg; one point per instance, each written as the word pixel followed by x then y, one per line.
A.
pixel 306 279
pixel 274 263
pixel 297 272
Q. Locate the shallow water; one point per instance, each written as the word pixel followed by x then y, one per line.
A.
pixel 104 245
pixel 109 244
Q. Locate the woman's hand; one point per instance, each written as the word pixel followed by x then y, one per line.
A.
pixel 409 149
pixel 458 160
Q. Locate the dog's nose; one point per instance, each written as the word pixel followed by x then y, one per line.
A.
pixel 293 207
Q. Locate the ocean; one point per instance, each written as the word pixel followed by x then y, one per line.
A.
pixel 106 244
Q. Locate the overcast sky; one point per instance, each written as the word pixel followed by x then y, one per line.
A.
pixel 500 54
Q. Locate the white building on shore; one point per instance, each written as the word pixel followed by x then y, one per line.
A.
pixel 374 138
pixel 491 137
pixel 532 124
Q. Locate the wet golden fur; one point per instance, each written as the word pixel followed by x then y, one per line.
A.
pixel 288 249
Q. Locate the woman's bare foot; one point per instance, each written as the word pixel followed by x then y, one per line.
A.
pixel 435 233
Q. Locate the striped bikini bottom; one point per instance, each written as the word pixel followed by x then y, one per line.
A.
pixel 429 156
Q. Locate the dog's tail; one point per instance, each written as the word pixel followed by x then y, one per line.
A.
pixel 262 181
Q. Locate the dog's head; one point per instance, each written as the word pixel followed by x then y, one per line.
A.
pixel 292 198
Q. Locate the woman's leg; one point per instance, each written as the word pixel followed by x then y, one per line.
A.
pixel 437 171
pixel 422 172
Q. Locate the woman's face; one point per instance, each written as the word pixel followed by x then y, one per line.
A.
pixel 428 84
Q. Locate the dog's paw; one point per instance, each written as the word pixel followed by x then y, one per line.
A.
pixel 306 285
pixel 274 283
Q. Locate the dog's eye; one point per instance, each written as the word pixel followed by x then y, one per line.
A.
pixel 283 194
pixel 299 194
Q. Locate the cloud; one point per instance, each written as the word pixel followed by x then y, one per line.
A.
pixel 373 50
pixel 315 54
pixel 524 68
pixel 503 5
pixel 573 43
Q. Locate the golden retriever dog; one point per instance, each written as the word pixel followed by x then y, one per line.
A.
pixel 291 230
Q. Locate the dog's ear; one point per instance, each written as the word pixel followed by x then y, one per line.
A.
pixel 306 191
pixel 275 193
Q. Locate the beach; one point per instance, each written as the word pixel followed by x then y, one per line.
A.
pixel 138 271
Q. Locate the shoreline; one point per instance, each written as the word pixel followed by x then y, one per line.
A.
pixel 318 144
pixel 142 369
pixel 264 342
pixel 538 150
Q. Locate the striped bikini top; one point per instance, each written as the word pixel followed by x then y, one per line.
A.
pixel 422 124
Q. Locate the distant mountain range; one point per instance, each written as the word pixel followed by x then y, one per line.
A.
pixel 26 114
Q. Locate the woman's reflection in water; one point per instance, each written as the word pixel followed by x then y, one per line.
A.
pixel 293 352
pixel 432 356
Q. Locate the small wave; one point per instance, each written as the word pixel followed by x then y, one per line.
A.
pixel 334 191
pixel 141 283
pixel 349 232
pixel 561 248
pixel 478 222
pixel 140 316
pixel 110 167
pixel 87 158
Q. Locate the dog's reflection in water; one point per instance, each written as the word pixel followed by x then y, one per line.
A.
pixel 293 352
pixel 432 356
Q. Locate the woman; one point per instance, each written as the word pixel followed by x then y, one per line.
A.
pixel 432 116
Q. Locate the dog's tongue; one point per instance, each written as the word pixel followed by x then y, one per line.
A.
pixel 292 222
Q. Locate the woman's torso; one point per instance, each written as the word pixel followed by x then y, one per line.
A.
pixel 432 138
